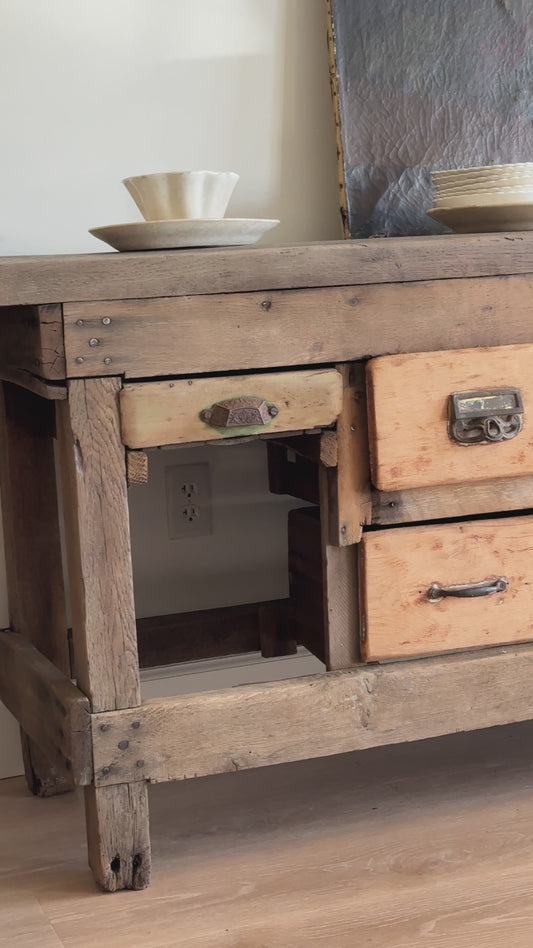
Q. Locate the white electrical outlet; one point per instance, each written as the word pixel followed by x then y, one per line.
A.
pixel 188 490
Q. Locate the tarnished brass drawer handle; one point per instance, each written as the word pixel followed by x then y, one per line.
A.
pixel 470 591
pixel 243 412
pixel 484 417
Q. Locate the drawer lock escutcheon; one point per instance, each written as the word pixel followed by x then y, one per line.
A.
pixel 470 591
pixel 243 412
pixel 486 416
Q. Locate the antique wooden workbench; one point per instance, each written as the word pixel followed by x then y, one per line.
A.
pixel 410 576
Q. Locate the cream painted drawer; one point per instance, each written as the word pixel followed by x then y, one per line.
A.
pixel 420 436
pixel 408 577
pixel 208 409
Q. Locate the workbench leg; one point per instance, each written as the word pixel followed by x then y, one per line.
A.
pixel 93 479
pixel 33 549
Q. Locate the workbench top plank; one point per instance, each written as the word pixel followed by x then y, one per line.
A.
pixel 61 278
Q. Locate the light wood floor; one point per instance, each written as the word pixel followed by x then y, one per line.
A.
pixel 403 847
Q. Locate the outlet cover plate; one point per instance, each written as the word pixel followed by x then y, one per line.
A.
pixel 188 493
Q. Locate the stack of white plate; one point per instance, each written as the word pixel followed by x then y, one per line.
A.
pixel 491 198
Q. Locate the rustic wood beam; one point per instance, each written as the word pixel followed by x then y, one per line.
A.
pixel 211 633
pixel 49 708
pixel 94 493
pixel 31 341
pixel 33 548
pixel 108 276
pixel 274 722
pixel 317 326
pixel 345 497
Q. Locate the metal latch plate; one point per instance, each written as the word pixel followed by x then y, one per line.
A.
pixel 485 416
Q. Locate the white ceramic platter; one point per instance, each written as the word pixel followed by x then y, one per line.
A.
pixel 485 219
pixel 178 234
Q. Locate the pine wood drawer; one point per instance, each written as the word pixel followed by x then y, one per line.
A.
pixel 400 568
pixel 412 439
pixel 207 409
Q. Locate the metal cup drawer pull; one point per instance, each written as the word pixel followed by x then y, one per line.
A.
pixel 242 412
pixel 486 416
pixel 470 591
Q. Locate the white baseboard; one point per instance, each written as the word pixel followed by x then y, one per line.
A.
pixel 226 672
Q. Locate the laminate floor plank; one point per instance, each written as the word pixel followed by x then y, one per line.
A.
pixel 399 847
pixel 24 923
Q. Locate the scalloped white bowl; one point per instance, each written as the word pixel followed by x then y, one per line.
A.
pixel 182 195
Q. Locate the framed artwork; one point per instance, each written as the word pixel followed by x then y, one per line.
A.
pixel 420 85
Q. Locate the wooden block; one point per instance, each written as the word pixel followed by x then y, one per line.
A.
pixel 276 632
pixel 303 327
pixel 292 474
pixel 400 566
pixel 323 590
pixel 409 397
pixel 156 413
pixel 136 467
pixel 345 489
pixel 318 448
pixel 329 449
pixel 117 828
pixel 50 709
pixel 31 342
pixel 340 604
pixel 274 722
pixel 207 633
pixel 306 580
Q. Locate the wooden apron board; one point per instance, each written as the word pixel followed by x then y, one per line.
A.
pixel 420 85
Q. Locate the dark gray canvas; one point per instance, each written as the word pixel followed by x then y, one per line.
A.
pixel 427 84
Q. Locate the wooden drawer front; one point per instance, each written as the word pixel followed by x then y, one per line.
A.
pixel 409 399
pixel 400 565
pixel 157 413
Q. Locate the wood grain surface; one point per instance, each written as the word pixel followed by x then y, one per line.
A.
pixel 51 710
pixel 107 276
pixel 451 500
pixel 136 468
pixel 408 418
pixel 94 493
pixel 159 413
pixel 400 565
pixel 150 338
pixel 34 569
pixel 31 342
pixel 93 474
pixel 345 486
pixel 256 725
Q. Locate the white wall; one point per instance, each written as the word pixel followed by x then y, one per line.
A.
pixel 94 90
